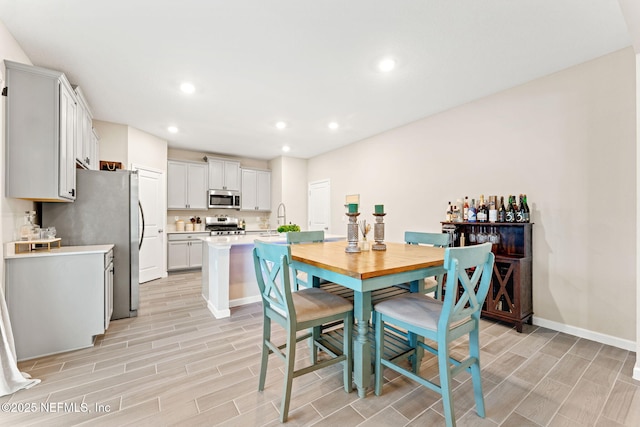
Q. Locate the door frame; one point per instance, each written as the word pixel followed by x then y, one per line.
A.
pixel 328 181
pixel 163 196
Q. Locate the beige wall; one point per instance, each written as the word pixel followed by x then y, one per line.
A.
pixel 289 186
pixel 147 150
pixel 567 140
pixel 197 156
pixel 294 186
pixel 631 11
pixel 113 144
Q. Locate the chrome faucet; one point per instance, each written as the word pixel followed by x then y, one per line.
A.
pixel 283 215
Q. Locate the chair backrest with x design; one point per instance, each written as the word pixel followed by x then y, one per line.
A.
pixel 469 272
pixel 272 273
pixel 294 237
pixel 439 240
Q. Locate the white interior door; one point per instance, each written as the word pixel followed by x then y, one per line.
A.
pixel 319 205
pixel 150 195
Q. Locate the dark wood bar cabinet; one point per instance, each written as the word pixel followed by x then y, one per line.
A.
pixel 509 298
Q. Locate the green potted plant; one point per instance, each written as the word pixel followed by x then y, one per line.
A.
pixel 288 227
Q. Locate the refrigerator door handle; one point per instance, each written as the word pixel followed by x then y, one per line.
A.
pixel 142 215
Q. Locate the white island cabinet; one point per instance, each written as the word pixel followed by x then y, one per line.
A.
pixel 60 299
pixel 228 274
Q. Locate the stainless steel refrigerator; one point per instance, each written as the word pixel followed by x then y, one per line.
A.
pixel 106 211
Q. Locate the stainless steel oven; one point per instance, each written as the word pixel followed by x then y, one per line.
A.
pixel 223 199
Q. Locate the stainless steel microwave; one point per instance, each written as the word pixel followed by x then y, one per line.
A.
pixel 223 199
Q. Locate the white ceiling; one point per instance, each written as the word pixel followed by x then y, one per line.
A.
pixel 306 62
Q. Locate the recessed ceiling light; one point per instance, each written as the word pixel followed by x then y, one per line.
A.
pixel 386 65
pixel 187 87
pixel 281 125
pixel 172 129
pixel 333 125
pixel 286 148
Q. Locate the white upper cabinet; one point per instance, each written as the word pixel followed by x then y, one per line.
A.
pixel 223 174
pixel 41 132
pixel 94 150
pixel 186 185
pixel 84 138
pixel 256 190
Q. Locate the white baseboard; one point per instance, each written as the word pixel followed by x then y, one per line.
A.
pixel 218 314
pixel 590 335
pixel 243 301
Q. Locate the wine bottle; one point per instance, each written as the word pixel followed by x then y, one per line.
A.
pixel 527 212
pixel 510 213
pixel 449 213
pixel 493 209
pixel 457 211
pixel 501 210
pixel 520 210
pixel 472 214
pixel 465 209
pixel 482 210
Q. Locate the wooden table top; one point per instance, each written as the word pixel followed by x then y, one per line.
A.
pixel 398 258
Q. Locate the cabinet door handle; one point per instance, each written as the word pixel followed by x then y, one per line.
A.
pixel 160 230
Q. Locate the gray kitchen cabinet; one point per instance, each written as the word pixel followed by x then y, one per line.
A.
pixel 85 142
pixel 57 300
pixel 108 288
pixel 256 190
pixel 41 132
pixel 223 174
pixel 185 251
pixel 186 185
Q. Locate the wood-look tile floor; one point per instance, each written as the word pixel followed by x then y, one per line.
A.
pixel 175 364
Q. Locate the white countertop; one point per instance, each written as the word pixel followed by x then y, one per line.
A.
pixel 249 239
pixel 187 232
pixel 10 252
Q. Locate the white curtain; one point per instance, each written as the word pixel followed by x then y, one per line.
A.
pixel 11 379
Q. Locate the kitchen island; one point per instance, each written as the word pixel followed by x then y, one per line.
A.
pixel 228 275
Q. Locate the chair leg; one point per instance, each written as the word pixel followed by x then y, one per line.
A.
pixel 266 336
pixel 315 335
pixel 290 360
pixel 474 351
pixel 379 333
pixel 418 352
pixel 445 383
pixel 348 352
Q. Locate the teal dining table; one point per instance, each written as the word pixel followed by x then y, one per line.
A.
pixel 364 272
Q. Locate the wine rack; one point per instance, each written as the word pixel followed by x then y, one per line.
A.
pixel 509 298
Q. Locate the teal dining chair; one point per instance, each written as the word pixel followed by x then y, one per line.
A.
pixel 439 240
pixel 301 278
pixel 468 272
pixel 306 309
pixel 431 284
